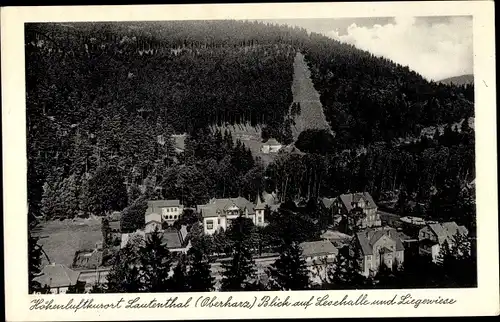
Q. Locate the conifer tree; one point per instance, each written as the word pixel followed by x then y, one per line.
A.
pixel 179 282
pixel 34 264
pixel 289 271
pixel 199 275
pixel 124 274
pixel 345 271
pixel 240 271
pixel 155 260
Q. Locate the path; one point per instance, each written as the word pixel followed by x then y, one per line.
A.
pixel 311 111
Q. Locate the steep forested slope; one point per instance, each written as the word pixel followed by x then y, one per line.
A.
pixel 369 99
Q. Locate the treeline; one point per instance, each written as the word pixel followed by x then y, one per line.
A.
pixel 368 99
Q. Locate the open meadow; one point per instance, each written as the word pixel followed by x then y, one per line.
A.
pixel 61 239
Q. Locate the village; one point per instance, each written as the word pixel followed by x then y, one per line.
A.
pixel 382 237
pixel 276 169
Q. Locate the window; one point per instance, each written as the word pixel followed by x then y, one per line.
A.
pixel 168 209
pixel 210 224
pixel 369 257
pixel 260 220
pixel 218 221
pixel 170 217
pixel 175 209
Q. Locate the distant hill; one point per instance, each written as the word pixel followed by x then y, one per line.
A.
pixel 459 80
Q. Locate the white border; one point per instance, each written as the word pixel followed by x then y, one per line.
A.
pixel 481 301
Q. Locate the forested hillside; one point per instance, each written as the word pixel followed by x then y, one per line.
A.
pixel 103 100
pixel 369 99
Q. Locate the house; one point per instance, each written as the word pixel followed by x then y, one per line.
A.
pixel 114 221
pixel 345 203
pixel 153 222
pixel 381 245
pixel 433 235
pixel 271 146
pixel 219 213
pixel 329 203
pixel 318 255
pixel 170 210
pixel 58 278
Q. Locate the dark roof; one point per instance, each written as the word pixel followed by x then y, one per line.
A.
pixel 370 236
pixel 259 204
pixel 57 275
pixel 348 199
pixel 158 204
pixel 88 259
pixel 210 209
pixel 172 238
pixel 318 248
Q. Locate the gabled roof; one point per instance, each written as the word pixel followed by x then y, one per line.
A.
pixel 318 248
pixel 57 275
pixel 156 205
pixel 370 236
pixel 349 198
pixel 272 141
pixel 327 202
pixel 210 209
pixel 153 217
pixel 447 230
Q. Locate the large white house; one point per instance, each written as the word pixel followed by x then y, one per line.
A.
pixel 169 210
pixel 219 213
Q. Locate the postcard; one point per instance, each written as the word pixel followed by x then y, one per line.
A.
pixel 249 161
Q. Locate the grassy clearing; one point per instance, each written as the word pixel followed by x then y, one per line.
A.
pixel 61 239
pixel 250 136
pixel 311 114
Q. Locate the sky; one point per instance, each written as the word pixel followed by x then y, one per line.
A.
pixel 435 47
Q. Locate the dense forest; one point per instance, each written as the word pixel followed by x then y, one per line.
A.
pixel 103 100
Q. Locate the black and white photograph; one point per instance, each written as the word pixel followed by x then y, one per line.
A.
pixel 243 155
pixel 175 156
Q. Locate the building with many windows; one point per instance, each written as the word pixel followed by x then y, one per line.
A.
pixel 219 213
pixel 169 210
pixel 381 245
pixel 344 204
